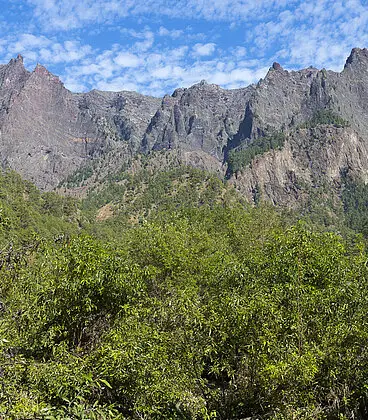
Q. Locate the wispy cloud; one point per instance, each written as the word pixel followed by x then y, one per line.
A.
pixel 158 73
pixel 173 33
pixel 43 49
pixel 69 14
pixel 201 50
pixel 317 32
pixel 155 46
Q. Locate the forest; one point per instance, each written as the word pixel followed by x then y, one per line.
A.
pixel 180 301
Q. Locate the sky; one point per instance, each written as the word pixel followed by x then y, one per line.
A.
pixel 156 46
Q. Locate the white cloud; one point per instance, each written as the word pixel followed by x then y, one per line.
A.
pixel 201 50
pixel 156 58
pixel 318 32
pixel 146 43
pixel 118 84
pixel 29 41
pixel 69 14
pixel 240 51
pixel 162 72
pixel 174 33
pixel 180 52
pixel 46 50
pixel 126 59
pixel 74 85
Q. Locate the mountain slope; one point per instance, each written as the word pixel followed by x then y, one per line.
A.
pixel 47 132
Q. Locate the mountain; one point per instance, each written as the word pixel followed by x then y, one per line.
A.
pixel 47 132
pixel 277 140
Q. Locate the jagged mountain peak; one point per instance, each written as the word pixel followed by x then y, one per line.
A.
pixel 204 85
pixel 14 67
pixel 357 56
pixel 13 77
pixel 17 61
pixel 277 66
pixel 40 69
pixel 43 73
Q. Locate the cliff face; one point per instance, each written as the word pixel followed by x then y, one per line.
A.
pixel 122 116
pixel 203 117
pixel 215 120
pixel 312 160
pixel 47 132
pixel 13 77
pixel 42 134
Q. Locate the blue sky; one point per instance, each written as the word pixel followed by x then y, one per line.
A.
pixel 155 46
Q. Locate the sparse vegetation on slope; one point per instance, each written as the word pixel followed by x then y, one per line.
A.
pixel 325 116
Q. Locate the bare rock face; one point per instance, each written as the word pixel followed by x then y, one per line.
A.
pixel 43 136
pixel 126 115
pixel 203 117
pixel 349 92
pixel 285 99
pixel 47 132
pixel 311 159
pixel 12 80
pixel 208 118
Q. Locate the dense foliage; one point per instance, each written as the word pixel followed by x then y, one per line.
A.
pixel 202 308
pixel 240 158
pixel 78 177
pixel 25 213
pixel 355 200
pixel 325 116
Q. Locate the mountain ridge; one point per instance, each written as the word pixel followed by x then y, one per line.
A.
pixel 47 132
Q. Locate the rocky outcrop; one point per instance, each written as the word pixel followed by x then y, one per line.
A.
pixel 203 117
pixel 124 115
pixel 47 132
pixel 208 118
pixel 12 80
pixel 43 136
pixel 312 159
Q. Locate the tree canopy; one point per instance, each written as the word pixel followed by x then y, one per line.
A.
pixel 204 308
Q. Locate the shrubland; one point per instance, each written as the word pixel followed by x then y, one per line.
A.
pixel 183 303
